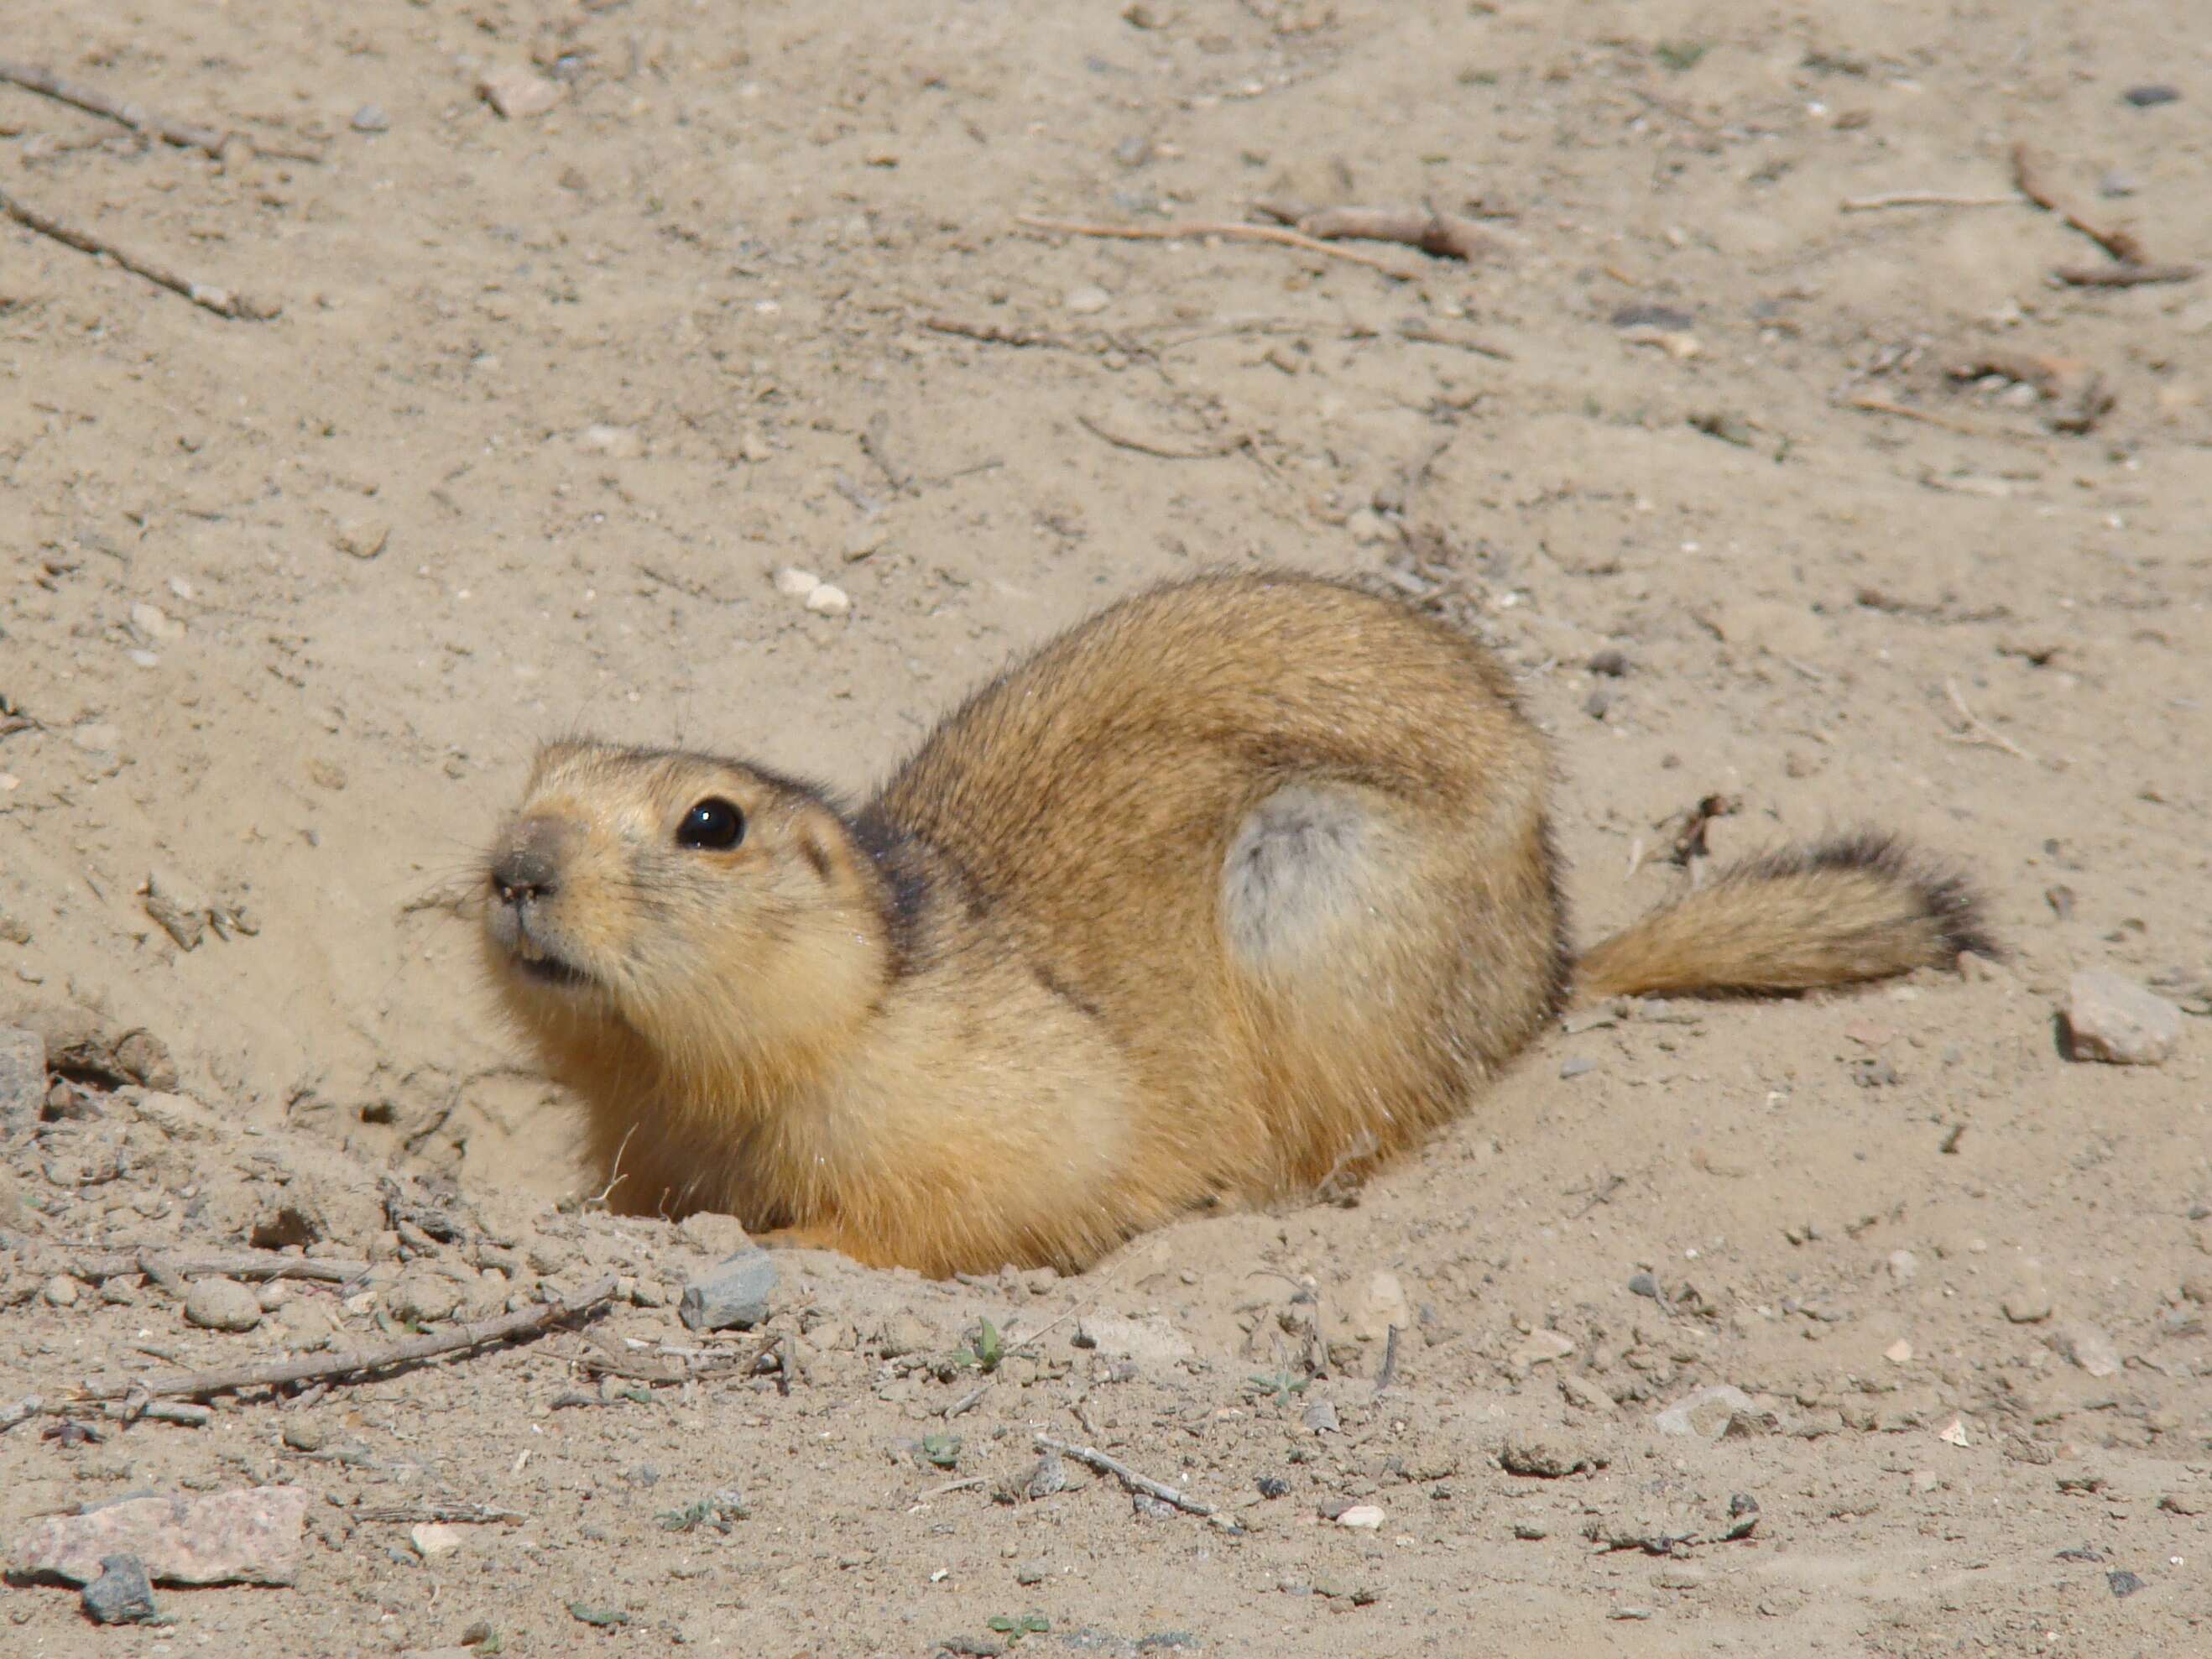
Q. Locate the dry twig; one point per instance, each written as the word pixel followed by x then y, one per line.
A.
pixel 992 333
pixel 221 300
pixel 467 1515
pixel 1875 405
pixel 1236 232
pixel 508 1328
pixel 1913 198
pixel 1429 334
pixel 1145 447
pixel 2134 265
pixel 1978 731
pixel 240 1264
pixel 186 135
pixel 1128 1477
pixel 1387 1373
pixel 2123 275
pixel 1444 236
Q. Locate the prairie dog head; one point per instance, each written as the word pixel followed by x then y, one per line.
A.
pixel 719 911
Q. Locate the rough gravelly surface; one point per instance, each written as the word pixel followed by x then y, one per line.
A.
pixel 551 398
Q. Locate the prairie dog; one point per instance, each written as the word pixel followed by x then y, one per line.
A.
pixel 1244 882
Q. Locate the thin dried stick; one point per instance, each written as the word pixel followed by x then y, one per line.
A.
pixel 1127 1476
pixel 1444 235
pixel 1387 1373
pixel 206 295
pixel 2122 245
pixel 186 135
pixel 1145 447
pixel 1913 198
pixel 1247 232
pixel 1430 335
pixel 2135 268
pixel 242 1264
pixel 467 1515
pixel 991 333
pixel 1979 730
pixel 1874 404
pixel 2123 275
pixel 194 1385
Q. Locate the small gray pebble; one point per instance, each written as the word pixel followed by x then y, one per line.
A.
pixel 2146 97
pixel 2123 1583
pixel 1274 1485
pixel 1599 701
pixel 371 117
pixel 1642 1283
pixel 1031 1573
pixel 122 1595
pixel 1672 319
pixel 1610 662
pixel 735 1294
pixel 1050 1476
pixel 1577 1066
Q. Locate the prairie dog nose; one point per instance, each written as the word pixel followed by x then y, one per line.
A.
pixel 528 867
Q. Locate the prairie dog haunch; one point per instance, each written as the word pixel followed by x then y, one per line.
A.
pixel 1243 881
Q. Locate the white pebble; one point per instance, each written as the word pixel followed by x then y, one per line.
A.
pixel 620 441
pixel 1368 1515
pixel 828 599
pixel 793 583
pixel 155 622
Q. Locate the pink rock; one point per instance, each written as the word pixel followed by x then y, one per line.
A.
pixel 247 1537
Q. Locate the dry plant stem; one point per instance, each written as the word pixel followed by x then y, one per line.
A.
pixel 137 117
pixel 1444 235
pixel 245 1264
pixel 1914 198
pixel 2135 268
pixel 195 1385
pixel 951 1485
pixel 186 135
pixel 1877 406
pixel 991 333
pixel 1144 446
pixel 1188 231
pixel 1093 1458
pixel 208 297
pixel 1387 1373
pixel 1428 336
pixel 2124 276
pixel 467 1515
pixel 1979 731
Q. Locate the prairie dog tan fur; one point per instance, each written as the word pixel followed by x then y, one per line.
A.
pixel 1243 881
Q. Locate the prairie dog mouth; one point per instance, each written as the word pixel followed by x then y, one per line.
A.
pixel 529 956
pixel 549 970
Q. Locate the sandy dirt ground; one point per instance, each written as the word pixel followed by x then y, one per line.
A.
pixel 1841 516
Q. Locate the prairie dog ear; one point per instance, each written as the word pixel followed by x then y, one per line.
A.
pixel 818 835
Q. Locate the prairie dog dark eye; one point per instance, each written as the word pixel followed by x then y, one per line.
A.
pixel 715 825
